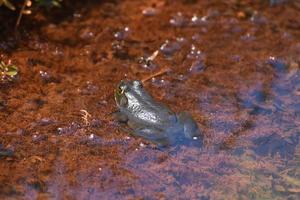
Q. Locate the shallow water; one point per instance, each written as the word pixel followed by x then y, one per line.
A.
pixel 233 66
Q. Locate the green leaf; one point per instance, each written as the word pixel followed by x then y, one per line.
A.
pixel 12 70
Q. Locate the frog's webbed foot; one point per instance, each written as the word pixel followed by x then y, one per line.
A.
pixel 190 126
pixel 155 135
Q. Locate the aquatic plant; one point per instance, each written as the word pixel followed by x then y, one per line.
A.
pixel 7 4
pixel 27 5
pixel 8 71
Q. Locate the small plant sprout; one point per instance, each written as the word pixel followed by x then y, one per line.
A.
pixel 26 8
pixel 8 71
pixel 85 116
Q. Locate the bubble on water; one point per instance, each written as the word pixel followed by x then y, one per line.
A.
pixel 197 66
pixel 258 19
pixel 182 77
pixel 45 122
pixel 71 129
pixel 196 37
pixel 89 89
pixel 91 136
pixel 278 64
pixel 38 137
pixel 248 37
pixel 77 15
pixel 236 58
pixel 47 77
pixel 120 50
pixel 159 82
pixel 95 123
pixel 86 34
pixel 195 53
pixel 149 12
pixel 58 52
pixel 195 138
pixel 198 21
pixel 168 48
pixel 178 20
pixel 142 144
pixel 122 34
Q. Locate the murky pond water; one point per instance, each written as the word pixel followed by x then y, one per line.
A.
pixel 234 65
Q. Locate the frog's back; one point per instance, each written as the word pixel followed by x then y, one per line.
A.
pixel 144 110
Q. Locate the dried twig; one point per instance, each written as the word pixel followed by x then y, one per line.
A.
pixel 159 73
pixel 85 117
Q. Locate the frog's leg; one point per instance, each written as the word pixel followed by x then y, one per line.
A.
pixel 121 117
pixel 190 126
pixel 155 135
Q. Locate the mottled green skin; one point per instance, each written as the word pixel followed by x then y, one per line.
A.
pixel 150 119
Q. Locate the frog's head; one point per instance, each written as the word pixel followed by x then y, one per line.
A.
pixel 124 89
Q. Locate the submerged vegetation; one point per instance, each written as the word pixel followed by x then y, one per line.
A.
pixel 8 71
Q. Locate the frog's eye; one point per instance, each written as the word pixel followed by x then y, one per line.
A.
pixel 120 96
pixel 121 89
pixel 137 84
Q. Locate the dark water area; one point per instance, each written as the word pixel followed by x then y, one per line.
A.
pixel 233 65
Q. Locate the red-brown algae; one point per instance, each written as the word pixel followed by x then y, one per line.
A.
pixel 236 72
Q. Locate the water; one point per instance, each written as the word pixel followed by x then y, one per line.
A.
pixel 234 67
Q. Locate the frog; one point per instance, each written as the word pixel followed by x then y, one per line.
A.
pixel 150 119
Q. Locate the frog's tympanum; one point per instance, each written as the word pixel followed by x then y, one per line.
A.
pixel 150 119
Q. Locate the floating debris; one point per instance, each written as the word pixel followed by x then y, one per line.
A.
pixel 85 117
pixel 148 62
